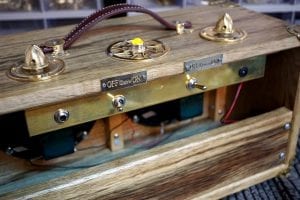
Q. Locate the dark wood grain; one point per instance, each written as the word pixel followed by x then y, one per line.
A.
pixel 283 187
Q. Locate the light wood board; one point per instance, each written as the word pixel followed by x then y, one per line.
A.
pixel 88 63
pixel 211 164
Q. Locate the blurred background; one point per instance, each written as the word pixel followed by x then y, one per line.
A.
pixel 26 15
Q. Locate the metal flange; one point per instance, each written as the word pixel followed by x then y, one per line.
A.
pixel 223 31
pixel 137 49
pixel 36 67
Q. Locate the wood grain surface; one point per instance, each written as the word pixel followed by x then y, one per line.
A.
pixel 212 164
pixel 88 63
pixel 279 87
pixel 279 188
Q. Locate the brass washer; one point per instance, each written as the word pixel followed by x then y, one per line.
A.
pixel 209 33
pixel 121 50
pixel 17 72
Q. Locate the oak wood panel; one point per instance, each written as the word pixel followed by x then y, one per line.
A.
pixel 218 108
pixel 296 113
pixel 277 88
pixel 113 127
pixel 16 172
pixel 88 63
pixel 244 183
pixel 178 170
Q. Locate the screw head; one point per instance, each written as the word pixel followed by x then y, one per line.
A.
pixel 220 111
pixel 287 126
pixel 9 151
pixel 243 71
pixel 281 156
pixel 136 119
pixel 116 136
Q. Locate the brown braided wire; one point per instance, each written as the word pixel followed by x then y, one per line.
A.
pixel 105 13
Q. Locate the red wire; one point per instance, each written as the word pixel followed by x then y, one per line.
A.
pixel 225 119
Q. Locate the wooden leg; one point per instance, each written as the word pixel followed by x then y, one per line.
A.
pixel 217 103
pixel 115 131
pixel 96 136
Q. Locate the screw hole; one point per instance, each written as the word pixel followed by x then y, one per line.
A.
pixel 63 118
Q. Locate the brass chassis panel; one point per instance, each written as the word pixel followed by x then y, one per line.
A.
pixel 40 120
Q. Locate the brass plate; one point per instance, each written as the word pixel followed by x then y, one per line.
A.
pixel 40 120
pixel 124 81
pixel 55 67
pixel 122 50
pixel 203 63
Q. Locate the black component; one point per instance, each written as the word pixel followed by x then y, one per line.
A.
pixel 15 139
pixel 13 129
pixel 57 144
pixel 243 71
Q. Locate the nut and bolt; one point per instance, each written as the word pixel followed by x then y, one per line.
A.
pixel 281 156
pixel 136 119
pixel 9 151
pixel 220 111
pixel 116 135
pixel 61 116
pixel 287 126
pixel 243 71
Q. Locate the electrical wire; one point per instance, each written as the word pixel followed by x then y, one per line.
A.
pixel 225 119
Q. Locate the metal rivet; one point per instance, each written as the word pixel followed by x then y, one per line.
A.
pixel 116 136
pixel 9 151
pixel 281 156
pixel 220 111
pixel 243 71
pixel 85 133
pixel 287 126
pixel 136 119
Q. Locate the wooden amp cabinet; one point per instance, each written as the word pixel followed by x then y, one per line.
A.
pixel 210 159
